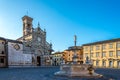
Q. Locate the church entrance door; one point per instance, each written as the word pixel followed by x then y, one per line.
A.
pixel 38 61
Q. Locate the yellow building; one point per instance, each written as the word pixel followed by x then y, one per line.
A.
pixel 103 53
pixel 68 54
pixel 57 58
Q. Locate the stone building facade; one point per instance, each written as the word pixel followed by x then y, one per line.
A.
pixel 31 49
pixel 3 53
pixel 34 42
pixel 16 57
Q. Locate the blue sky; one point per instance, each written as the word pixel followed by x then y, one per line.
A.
pixel 90 20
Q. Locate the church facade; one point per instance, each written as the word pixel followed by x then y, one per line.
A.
pixel 31 49
pixel 34 42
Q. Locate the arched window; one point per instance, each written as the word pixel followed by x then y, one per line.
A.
pixel 104 64
pixel 28 25
pixel 118 63
pixel 110 64
pixel 2 60
pixel 23 25
pixel 2 52
pixel 97 63
pixel 24 33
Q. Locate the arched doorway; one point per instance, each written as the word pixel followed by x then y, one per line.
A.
pixel 55 62
pixel 110 63
pixel 97 63
pixel 39 57
pixel 118 64
pixel 104 63
pixel 38 61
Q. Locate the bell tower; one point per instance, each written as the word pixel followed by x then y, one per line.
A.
pixel 27 25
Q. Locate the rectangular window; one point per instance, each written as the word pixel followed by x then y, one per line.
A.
pixel 118 45
pixel 111 53
pixel 97 63
pixel 103 54
pixel 86 55
pixel 86 48
pixel 118 53
pixel 97 47
pixel 2 52
pixel 91 48
pixel 110 46
pixel 91 54
pixel 103 46
pixel 103 63
pixel 2 60
pixel 97 54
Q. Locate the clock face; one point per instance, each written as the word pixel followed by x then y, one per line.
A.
pixel 39 39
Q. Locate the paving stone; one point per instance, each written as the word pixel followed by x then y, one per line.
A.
pixel 47 73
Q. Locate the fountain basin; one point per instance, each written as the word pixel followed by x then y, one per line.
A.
pixel 77 70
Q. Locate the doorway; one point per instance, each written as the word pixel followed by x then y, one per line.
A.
pixel 2 62
pixel 118 64
pixel 110 64
pixel 38 61
pixel 104 64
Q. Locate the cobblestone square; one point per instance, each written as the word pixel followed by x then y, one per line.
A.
pixel 47 73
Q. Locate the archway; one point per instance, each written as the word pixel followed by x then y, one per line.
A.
pixel 104 64
pixel 38 61
pixel 110 63
pixel 97 63
pixel 118 64
pixel 39 57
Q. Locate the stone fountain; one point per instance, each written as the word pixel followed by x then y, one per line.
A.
pixel 77 70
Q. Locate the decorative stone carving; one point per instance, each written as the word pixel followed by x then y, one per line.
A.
pixel 77 70
pixel 16 46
